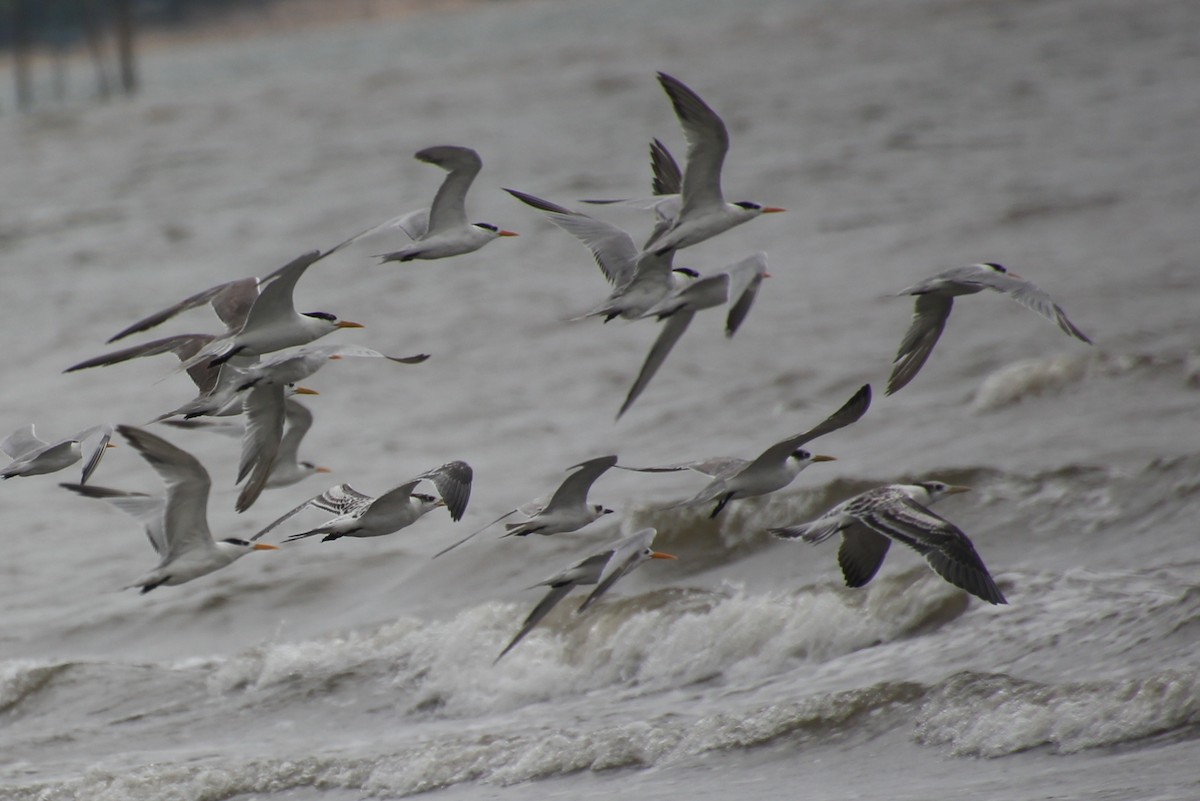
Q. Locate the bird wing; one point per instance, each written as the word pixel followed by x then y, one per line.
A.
pixel 340 500
pixel 623 557
pixel 707 142
pixel 745 277
pixel 574 489
pixel 454 545
pixel 390 503
pixel 103 434
pixel 298 420
pixel 930 312
pixel 850 412
pixel 147 509
pixel 185 519
pixel 230 300
pixel 613 249
pixel 672 330
pixel 714 466
pixel 449 204
pixel 861 553
pixel 453 483
pixel 943 544
pixel 548 602
pixel 264 410
pixel 182 345
pixel 276 290
pixel 668 178
pixel 413 223
pixel 1032 297
pixel 21 442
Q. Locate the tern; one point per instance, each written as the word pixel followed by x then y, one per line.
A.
pixel 773 469
pixel 289 468
pixel 359 515
pixel 868 523
pixel 738 284
pixel 441 230
pixel 566 511
pixel 935 298
pixel 177 523
pixel 273 323
pixel 640 280
pixel 32 456
pixel 700 211
pixel 603 569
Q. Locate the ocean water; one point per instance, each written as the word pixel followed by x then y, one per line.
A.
pixel 903 138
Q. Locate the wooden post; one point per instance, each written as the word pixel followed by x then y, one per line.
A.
pixel 123 10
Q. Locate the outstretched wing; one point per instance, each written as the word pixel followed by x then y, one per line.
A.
pixel 574 490
pixel 930 313
pixel 341 499
pixel 850 412
pixel 453 483
pixel 449 204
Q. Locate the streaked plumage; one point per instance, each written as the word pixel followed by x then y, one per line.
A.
pixel 602 568
pixel 359 515
pixel 868 522
pixel 935 298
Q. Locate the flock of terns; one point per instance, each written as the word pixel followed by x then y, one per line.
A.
pixel 253 369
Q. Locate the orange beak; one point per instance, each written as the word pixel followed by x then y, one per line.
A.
pixel 109 445
pixel 772 210
pixel 817 457
pixel 506 233
pixel 306 391
pixel 659 555
pixel 262 546
pixel 348 324
pixel 322 470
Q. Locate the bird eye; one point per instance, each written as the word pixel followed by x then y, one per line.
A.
pixel 997 267
pixel 801 453
pixel 748 205
pixel 321 316
pixel 235 541
pixel 488 226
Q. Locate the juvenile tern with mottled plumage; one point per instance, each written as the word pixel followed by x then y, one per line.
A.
pixel 935 298
pixel 868 523
pixel 359 515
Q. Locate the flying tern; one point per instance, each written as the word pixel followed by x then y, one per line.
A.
pixel 935 297
pixel 773 469
pixel 567 510
pixel 359 515
pixel 231 301
pixel 700 211
pixel 273 322
pixel 738 285
pixel 603 569
pixel 640 280
pixel 177 523
pixel 441 230
pixel 32 456
pixel 868 523
pixel 289 468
